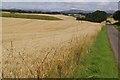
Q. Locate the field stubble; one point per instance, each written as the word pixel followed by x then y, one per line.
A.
pixel 39 49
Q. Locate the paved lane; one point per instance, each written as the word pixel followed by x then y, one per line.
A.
pixel 114 37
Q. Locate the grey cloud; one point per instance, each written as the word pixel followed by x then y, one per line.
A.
pixel 62 5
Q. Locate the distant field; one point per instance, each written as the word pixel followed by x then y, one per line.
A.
pixel 28 16
pixel 43 48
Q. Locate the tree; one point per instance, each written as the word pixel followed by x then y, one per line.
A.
pixel 116 15
pixel 97 16
pixel 80 17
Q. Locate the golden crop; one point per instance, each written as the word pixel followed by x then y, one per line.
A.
pixel 41 48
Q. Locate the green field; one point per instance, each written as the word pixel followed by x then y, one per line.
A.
pixel 29 16
pixel 100 62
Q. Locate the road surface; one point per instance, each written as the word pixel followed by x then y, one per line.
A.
pixel 114 37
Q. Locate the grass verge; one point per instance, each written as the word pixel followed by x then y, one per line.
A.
pixel 27 16
pixel 117 26
pixel 100 62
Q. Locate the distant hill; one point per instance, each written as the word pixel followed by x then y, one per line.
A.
pixel 110 11
pixel 85 12
pixel 49 11
pixel 72 11
pixel 76 11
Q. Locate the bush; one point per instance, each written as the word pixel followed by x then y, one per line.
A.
pixel 97 16
pixel 116 15
pixel 80 18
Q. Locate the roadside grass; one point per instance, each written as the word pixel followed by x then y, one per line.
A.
pixel 27 16
pixel 100 61
pixel 117 26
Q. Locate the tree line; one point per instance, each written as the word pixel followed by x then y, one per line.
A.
pixel 100 16
pixel 29 11
pixel 97 16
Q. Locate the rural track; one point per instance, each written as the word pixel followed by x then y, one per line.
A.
pixel 114 37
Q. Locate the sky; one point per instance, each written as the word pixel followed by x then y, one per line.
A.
pixel 61 6
pixel 59 0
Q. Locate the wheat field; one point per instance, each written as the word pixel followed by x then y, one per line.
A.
pixel 0 47
pixel 40 48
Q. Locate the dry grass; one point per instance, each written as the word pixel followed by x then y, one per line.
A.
pixel 112 20
pixel 34 48
pixel 0 47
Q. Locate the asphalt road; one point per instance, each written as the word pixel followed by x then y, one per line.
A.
pixel 114 37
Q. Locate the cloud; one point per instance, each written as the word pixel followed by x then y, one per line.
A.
pixel 60 0
pixel 104 3
pixel 63 6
